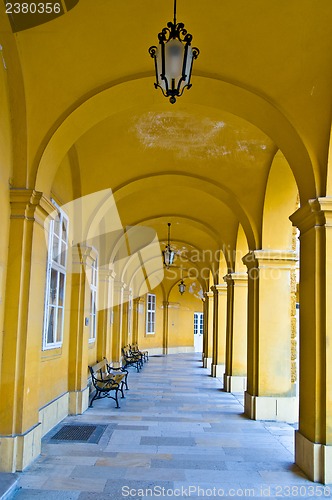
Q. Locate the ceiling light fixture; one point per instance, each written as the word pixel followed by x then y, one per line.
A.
pixel 173 59
pixel 168 253
pixel 182 287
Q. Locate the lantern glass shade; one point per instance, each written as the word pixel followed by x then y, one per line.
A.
pixel 168 256
pixel 182 287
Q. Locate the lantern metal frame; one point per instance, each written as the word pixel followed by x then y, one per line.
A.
pixel 182 286
pixel 173 31
pixel 168 253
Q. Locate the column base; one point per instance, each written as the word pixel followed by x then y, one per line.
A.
pixel 314 459
pixel 17 452
pixel 235 383
pixel 78 401
pixel 207 362
pixel 280 409
pixel 217 370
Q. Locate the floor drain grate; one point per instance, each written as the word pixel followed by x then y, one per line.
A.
pixel 79 433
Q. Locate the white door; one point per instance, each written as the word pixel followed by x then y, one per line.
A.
pixel 198 331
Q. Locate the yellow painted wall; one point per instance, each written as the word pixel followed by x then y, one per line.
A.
pixel 181 315
pixel 280 203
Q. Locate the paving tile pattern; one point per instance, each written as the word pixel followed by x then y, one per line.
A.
pixel 177 434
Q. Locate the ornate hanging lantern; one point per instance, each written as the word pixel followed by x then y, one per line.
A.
pixel 168 253
pixel 173 59
pixel 182 287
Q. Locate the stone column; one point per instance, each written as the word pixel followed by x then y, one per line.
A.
pixel 105 314
pixel 79 330
pixel 235 377
pixel 271 335
pixel 219 330
pixel 138 310
pixel 20 428
pixel 313 440
pixel 208 318
pixel 125 316
pixel 165 326
pixel 117 342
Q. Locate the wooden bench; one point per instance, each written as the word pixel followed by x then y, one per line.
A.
pixel 135 350
pixel 104 382
pixel 131 360
pixel 112 370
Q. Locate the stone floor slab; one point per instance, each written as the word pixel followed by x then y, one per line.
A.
pixel 175 428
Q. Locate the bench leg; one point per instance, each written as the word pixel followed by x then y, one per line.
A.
pixel 94 397
pixel 121 389
pixel 125 382
pixel 116 398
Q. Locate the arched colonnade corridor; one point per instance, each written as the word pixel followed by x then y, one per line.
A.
pixel 95 164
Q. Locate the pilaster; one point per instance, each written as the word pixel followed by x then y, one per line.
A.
pixel 219 330
pixel 271 335
pixel 165 326
pixel 235 377
pixel 313 444
pixel 208 345
pixel 117 342
pixel 137 313
pixel 82 257
pixel 20 430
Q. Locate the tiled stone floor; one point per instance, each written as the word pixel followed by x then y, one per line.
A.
pixel 176 429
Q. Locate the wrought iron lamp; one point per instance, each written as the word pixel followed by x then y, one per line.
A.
pixel 173 59
pixel 182 287
pixel 168 253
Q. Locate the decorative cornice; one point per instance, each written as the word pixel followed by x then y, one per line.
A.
pixel 317 212
pixel 220 288
pixel 236 278
pixel 30 205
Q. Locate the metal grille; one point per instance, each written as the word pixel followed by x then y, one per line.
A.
pixel 79 433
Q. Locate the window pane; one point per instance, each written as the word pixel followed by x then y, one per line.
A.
pixel 56 229
pixel 50 329
pixel 59 325
pixel 64 229
pixel 61 291
pixel 53 287
pixel 63 254
pixel 55 248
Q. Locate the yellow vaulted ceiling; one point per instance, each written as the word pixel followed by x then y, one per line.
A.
pixel 262 82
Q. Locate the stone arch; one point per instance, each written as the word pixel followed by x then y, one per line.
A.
pixel 117 96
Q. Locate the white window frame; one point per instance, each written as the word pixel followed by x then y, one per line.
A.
pixel 198 323
pixel 151 302
pixel 93 300
pixel 56 266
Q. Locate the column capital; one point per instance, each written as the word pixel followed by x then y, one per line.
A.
pixel 105 274
pixel 209 295
pixel 220 288
pixel 30 205
pixel 269 258
pixel 317 212
pixel 82 253
pixel 119 285
pixel 235 278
